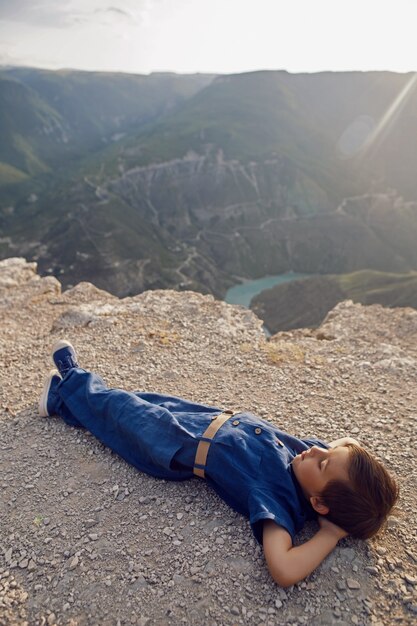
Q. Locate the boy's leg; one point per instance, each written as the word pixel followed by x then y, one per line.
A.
pixel 145 434
pixel 50 402
pixel 177 405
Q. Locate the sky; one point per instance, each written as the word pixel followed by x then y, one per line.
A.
pixel 211 36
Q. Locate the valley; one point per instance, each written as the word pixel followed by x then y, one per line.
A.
pixel 204 180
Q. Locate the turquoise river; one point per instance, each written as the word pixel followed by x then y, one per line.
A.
pixel 244 292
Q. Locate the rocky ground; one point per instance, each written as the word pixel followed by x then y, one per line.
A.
pixel 85 539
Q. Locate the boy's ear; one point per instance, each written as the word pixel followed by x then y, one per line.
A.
pixel 318 505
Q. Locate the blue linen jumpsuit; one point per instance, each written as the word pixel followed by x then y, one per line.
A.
pixel 248 463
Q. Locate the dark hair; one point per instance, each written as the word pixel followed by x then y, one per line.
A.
pixel 362 505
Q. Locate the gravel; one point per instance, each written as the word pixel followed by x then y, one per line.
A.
pixel 85 539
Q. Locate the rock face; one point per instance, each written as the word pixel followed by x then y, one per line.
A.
pixel 86 539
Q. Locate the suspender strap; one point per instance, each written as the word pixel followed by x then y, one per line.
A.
pixel 205 441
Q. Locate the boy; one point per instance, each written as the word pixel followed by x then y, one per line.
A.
pixel 276 480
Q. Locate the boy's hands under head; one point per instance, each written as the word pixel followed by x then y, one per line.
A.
pixel 289 564
pixel 333 529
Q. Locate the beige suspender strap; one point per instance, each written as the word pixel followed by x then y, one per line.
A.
pixel 205 441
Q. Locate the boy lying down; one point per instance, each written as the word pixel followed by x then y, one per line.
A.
pixel 275 479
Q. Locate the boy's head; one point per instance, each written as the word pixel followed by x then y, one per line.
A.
pixel 349 486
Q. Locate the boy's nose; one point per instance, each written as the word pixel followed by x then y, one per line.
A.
pixel 317 451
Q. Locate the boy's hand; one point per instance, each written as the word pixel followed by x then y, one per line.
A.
pixel 328 526
pixel 289 564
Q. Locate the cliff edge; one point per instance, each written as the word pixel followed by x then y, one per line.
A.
pixel 86 539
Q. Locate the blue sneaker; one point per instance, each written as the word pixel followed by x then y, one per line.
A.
pixel 48 396
pixel 64 356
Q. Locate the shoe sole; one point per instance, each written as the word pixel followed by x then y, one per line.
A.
pixel 62 343
pixel 43 400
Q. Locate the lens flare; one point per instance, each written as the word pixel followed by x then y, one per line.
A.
pixel 388 118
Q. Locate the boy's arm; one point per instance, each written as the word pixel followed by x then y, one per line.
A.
pixel 288 564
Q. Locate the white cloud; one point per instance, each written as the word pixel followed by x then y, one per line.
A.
pixel 59 14
pixel 117 11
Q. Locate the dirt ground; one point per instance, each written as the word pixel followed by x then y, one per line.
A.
pixel 85 539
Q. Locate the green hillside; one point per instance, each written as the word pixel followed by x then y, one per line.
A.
pixel 305 302
pixel 98 103
pixel 10 174
pixel 27 129
pixel 48 118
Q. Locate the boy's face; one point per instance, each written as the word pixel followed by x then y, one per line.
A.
pixel 315 467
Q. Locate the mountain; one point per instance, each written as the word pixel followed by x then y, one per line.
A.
pixel 244 175
pixel 29 129
pixel 307 301
pixel 317 121
pixel 48 118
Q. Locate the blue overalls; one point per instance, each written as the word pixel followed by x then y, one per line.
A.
pixel 248 463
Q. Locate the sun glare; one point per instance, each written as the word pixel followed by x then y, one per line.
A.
pixel 389 117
